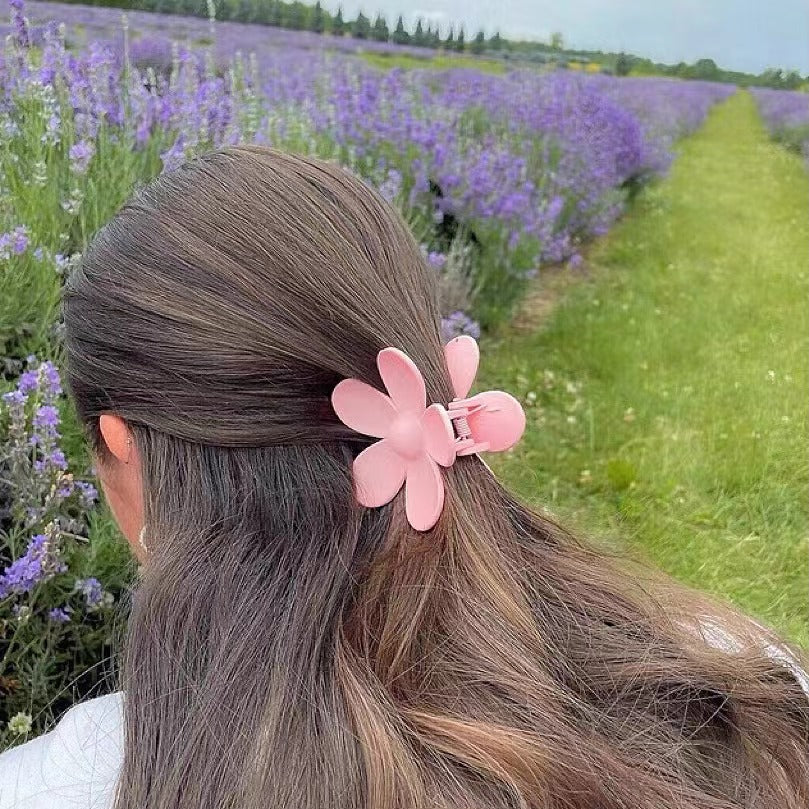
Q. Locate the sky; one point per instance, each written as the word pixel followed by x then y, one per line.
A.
pixel 748 35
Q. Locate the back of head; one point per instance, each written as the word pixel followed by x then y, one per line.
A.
pixel 290 648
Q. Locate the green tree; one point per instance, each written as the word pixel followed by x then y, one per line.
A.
pixel 294 16
pixel 361 27
pixel 770 78
pixel 246 11
pixel 418 34
pixel 272 15
pixel 478 43
pixel 622 65
pixel 449 42
pixel 557 41
pixel 400 35
pixel 338 25
pixel 496 42
pixel 380 30
pixel 317 22
pixel 460 44
pixel 705 69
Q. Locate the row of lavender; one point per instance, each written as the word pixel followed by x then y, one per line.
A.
pixel 786 114
pixel 148 31
pixel 498 175
pixel 542 160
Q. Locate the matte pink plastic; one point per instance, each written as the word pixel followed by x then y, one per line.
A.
pixel 414 438
pixel 462 355
pixel 499 422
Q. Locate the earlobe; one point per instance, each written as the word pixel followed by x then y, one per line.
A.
pixel 117 436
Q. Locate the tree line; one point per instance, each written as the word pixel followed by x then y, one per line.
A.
pixel 708 70
pixel 298 16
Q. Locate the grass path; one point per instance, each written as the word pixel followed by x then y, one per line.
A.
pixel 667 392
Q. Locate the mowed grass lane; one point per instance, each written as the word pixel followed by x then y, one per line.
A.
pixel 667 393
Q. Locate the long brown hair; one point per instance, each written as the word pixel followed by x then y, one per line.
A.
pixel 288 648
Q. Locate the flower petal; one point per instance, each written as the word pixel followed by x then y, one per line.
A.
pixel 403 380
pixel 363 408
pixel 439 437
pixel 424 493
pixel 462 356
pixel 379 472
pixel 500 424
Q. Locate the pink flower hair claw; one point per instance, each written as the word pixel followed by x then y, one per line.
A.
pixel 417 439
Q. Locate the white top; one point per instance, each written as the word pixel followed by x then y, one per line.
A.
pixel 75 765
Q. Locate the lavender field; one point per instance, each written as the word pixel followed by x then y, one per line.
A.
pixel 787 116
pixel 533 165
pixel 499 176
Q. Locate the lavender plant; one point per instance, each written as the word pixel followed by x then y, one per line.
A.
pixel 786 114
pixel 44 520
pixel 531 164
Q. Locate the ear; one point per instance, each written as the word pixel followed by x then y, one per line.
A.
pixel 117 436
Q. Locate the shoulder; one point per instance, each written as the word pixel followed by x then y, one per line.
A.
pixel 74 766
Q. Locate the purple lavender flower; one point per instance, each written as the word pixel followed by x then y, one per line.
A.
pixel 81 154
pixel 54 460
pixel 786 114
pixel 92 591
pixel 457 324
pixel 45 423
pixel 10 129
pixel 15 398
pixel 172 158
pixel 39 479
pixel 47 418
pixel 66 487
pixel 62 263
pixel 28 382
pixel 20 23
pixel 392 185
pixel 44 373
pixel 14 242
pixel 40 562
pixel 87 491
pixel 60 615
pixel 53 129
pixel 436 260
pixel 20 241
pixel 51 381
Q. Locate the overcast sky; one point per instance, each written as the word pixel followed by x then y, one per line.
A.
pixel 745 35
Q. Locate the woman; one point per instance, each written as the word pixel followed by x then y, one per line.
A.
pixel 291 647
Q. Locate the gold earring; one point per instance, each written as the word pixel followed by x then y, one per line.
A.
pixel 129 447
pixel 142 539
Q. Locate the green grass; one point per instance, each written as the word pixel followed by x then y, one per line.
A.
pixel 695 314
pixel 388 61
